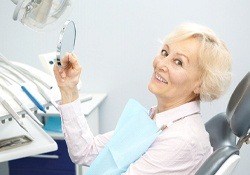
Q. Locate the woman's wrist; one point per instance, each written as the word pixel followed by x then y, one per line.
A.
pixel 69 95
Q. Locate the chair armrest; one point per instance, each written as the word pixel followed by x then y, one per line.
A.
pixel 216 160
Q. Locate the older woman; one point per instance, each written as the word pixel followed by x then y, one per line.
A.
pixel 193 65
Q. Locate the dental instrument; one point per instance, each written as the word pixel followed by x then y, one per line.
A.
pixel 18 76
pixel 27 92
pixel 32 78
pixel 40 90
pixel 48 98
pixel 19 102
pixel 27 74
pixel 22 71
pixel 33 99
pixel 12 113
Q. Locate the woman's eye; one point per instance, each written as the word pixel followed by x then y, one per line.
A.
pixel 178 62
pixel 164 53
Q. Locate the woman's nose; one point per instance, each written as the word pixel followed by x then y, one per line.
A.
pixel 161 64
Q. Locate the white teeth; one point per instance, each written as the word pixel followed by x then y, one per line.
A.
pixel 160 79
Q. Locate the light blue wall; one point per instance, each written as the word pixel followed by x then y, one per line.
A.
pixel 117 41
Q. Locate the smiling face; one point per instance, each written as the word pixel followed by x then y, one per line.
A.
pixel 176 77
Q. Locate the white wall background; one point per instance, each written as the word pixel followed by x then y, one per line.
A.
pixel 117 41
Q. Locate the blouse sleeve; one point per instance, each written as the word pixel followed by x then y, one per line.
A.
pixel 83 146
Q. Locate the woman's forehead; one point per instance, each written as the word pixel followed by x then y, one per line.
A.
pixel 188 47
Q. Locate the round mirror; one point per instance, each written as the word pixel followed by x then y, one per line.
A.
pixel 66 41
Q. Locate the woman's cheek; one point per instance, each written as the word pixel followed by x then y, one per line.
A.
pixel 155 62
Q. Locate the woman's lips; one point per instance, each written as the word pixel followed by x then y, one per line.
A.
pixel 158 77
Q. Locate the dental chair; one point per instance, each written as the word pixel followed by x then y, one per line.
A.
pixel 228 131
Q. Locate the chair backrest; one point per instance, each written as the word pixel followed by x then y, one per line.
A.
pixel 224 128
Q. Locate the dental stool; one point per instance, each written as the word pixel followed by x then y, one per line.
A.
pixel 228 132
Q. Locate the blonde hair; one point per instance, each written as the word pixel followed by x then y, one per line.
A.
pixel 214 59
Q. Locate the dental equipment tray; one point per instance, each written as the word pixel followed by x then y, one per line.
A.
pixel 17 143
pixel 14 142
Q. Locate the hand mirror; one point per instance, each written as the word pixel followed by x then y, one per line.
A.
pixel 66 41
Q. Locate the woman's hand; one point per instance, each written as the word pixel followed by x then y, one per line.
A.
pixel 67 77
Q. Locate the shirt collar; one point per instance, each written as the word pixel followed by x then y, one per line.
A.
pixel 175 113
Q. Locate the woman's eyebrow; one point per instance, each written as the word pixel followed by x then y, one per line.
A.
pixel 183 55
pixel 166 46
pixel 178 53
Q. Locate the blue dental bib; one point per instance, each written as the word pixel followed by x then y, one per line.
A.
pixel 133 135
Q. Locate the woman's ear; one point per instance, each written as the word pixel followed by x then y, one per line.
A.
pixel 197 91
pixel 197 88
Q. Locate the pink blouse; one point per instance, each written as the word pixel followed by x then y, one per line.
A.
pixel 180 149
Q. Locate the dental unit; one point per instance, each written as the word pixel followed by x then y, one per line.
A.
pixel 25 89
pixel 21 133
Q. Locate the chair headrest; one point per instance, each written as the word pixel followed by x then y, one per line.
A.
pixel 220 132
pixel 238 109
